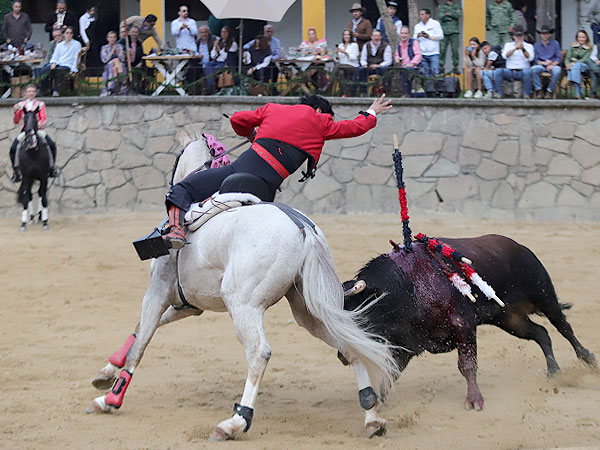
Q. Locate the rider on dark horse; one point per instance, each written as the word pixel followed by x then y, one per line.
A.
pixel 30 103
pixel 287 136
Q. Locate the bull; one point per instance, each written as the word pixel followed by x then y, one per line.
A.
pixel 416 308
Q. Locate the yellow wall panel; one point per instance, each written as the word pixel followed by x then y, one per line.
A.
pixel 473 20
pixel 313 15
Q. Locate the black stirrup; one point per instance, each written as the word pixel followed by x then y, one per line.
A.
pixel 247 183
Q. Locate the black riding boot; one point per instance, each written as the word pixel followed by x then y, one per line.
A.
pixel 51 158
pixel 16 177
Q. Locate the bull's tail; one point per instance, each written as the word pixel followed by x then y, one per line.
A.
pixel 324 298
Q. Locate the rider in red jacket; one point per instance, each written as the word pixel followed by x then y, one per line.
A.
pixel 287 136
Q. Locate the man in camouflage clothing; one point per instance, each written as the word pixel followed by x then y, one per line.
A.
pixel 449 15
pixel 500 20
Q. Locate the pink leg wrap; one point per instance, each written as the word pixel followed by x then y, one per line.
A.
pixel 118 358
pixel 115 397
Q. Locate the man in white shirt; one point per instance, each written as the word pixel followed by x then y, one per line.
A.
pixel 65 57
pixel 392 8
pixel 185 31
pixel 518 55
pixel 375 57
pixel 84 23
pixel 429 33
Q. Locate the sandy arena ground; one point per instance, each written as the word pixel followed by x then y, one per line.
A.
pixel 71 296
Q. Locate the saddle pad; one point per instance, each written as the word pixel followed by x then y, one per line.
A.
pixel 200 213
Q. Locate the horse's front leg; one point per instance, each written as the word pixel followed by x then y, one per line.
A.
pixel 248 326
pixel 43 204
pixel 106 377
pixel 374 425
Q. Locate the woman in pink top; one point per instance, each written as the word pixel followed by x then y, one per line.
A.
pixel 409 56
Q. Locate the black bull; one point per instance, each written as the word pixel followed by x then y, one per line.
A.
pixel 422 311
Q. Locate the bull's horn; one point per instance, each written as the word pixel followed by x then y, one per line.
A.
pixel 358 287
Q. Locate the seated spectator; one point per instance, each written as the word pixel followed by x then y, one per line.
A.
pixel 408 56
pixel 576 60
pixel 314 45
pixel 475 61
pixel 518 55
pixel 429 33
pixel 392 8
pixel 259 58
pixel 112 56
pixel 547 59
pixel 136 53
pixel 375 58
pixel 594 64
pixel 195 72
pixel 494 61
pixel 223 54
pixel 346 55
pixel 64 60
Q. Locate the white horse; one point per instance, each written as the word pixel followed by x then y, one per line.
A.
pixel 243 262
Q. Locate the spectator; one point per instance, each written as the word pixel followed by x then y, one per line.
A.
pixel 361 28
pixel 206 42
pixel 594 20
pixel 259 58
pixel 429 33
pixel 500 20
pixel 494 61
pixel 576 60
pixel 146 25
pixel 64 59
pixel 519 12
pixel 594 64
pixel 346 55
pixel 392 8
pixel 314 45
pixel 450 14
pixel 518 55
pixel 60 19
pixel 16 27
pixel 86 21
pixel 112 56
pixel 375 57
pixel 408 56
pixel 547 59
pixel 224 53
pixel 475 61
pixel 275 46
pixel 136 54
pixel 185 31
pixel 57 37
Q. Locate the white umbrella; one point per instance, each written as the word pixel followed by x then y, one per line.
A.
pixel 271 10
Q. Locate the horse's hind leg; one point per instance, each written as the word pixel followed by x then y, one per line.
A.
pixel 248 326
pixel 106 377
pixel 43 204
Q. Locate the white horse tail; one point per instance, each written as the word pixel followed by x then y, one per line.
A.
pixel 324 298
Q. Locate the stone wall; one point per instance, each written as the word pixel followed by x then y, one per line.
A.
pixel 510 159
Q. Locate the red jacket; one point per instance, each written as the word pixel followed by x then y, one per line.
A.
pixel 299 125
pixel 41 115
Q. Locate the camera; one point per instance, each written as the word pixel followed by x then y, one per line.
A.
pixel 470 49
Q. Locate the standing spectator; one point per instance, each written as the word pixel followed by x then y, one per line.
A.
pixel 16 27
pixel 60 19
pixel 518 55
pixel 392 8
pixel 86 24
pixel 519 12
pixel 429 33
pixel 450 14
pixel 375 57
pixel 313 45
pixel 594 21
pixel 594 64
pixel 146 25
pixel 408 56
pixel 547 59
pixel 112 56
pixel 185 31
pixel 576 60
pixel 360 27
pixel 494 61
pixel 136 54
pixel 346 55
pixel 500 21
pixel 64 59
pixel 475 61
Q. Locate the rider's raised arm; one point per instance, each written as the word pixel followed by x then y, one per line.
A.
pixel 244 122
pixel 348 128
pixel 18 113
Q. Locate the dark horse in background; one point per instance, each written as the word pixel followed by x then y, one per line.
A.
pixel 34 163
pixel 419 310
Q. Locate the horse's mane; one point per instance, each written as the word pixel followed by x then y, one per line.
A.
pixel 194 153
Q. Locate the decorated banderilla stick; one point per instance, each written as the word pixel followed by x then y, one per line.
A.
pixel 399 171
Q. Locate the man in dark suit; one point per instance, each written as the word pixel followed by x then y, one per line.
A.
pixel 60 19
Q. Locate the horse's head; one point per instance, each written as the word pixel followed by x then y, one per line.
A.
pixel 193 156
pixel 30 128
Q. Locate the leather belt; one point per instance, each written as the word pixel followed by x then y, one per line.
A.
pixel 270 160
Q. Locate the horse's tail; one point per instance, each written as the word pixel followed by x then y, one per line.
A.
pixel 324 298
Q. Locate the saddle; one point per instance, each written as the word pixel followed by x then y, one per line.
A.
pixel 200 213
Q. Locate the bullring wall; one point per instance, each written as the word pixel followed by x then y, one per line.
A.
pixel 499 158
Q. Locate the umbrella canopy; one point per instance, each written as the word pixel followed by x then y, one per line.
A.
pixel 271 10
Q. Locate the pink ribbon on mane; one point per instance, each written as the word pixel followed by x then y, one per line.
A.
pixel 218 148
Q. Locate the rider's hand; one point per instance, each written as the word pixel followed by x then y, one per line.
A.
pixel 380 106
pixel 252 136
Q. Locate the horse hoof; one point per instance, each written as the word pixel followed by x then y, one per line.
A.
pixel 375 429
pixel 96 408
pixel 103 382
pixel 45 228
pixel 219 435
pixel 22 228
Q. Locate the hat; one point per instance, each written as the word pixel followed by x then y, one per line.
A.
pixel 394 4
pixel 545 29
pixel 518 31
pixel 358 6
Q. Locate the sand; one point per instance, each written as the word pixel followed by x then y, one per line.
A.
pixel 72 295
